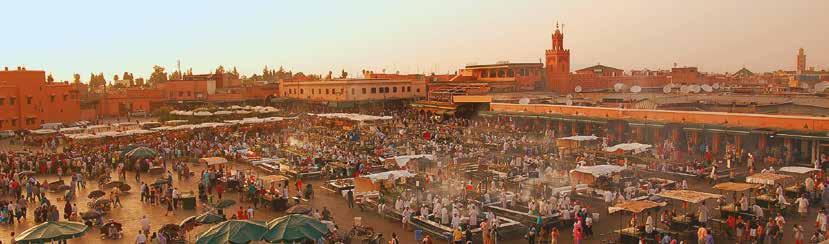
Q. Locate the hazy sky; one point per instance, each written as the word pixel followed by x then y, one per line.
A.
pixel 64 37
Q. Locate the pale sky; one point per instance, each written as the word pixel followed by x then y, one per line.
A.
pixel 65 37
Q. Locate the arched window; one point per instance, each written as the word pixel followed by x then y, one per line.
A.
pixel 501 73
pixel 510 73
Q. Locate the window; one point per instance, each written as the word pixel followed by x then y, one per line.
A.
pixel 65 97
pixel 189 93
pixel 326 91
pixel 501 73
pixel 180 93
pixel 1 123
pixel 342 90
pixel 11 100
pixel 484 74
pixel 301 91
pixel 373 90
pixel 1 101
pixel 352 91
pixel 51 98
pixel 510 73
pixel 418 90
pixel 14 122
pixel 364 90
pixel 492 73
pixel 30 121
pixel 409 88
pixel 394 89
pixel 28 100
pixel 312 91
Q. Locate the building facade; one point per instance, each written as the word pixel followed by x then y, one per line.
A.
pixel 558 64
pixel 353 90
pixel 27 100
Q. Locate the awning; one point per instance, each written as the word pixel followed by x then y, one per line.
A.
pixel 798 169
pixel 767 178
pixel 635 206
pixel 735 186
pixel 688 195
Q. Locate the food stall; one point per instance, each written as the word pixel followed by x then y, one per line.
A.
pixel 768 200
pixel 687 221
pixel 575 144
pixel 799 174
pixel 632 232
pixel 212 162
pixel 733 208
pixel 599 176
pixel 271 194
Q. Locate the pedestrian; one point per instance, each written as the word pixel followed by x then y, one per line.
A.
pixel 169 207
pixel 350 197
pixel 798 234
pixel 145 225
pixel 140 238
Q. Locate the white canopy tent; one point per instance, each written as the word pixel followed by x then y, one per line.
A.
pixel 635 147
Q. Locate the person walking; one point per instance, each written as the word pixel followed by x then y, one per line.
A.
pixel 350 197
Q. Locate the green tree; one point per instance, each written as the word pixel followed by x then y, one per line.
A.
pixel 158 75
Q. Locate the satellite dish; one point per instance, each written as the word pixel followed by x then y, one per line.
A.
pixel 636 89
pixel 707 88
pixel 524 101
pixel 716 85
pixel 667 89
pixel 684 89
pixel 695 88
pixel 578 89
pixel 618 87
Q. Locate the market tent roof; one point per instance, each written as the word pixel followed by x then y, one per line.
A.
pixel 222 112
pixel 213 160
pixel 233 231
pixel 798 169
pixel 70 129
pixel 52 231
pixel 599 170
pixel 767 178
pixel 635 206
pixel 394 174
pixel 579 138
pixel 688 195
pixel 43 131
pixel 635 147
pixel 295 228
pixel 403 160
pixel 735 186
pixel 354 117
pixel 203 113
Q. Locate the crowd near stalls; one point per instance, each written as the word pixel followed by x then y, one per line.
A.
pixel 476 180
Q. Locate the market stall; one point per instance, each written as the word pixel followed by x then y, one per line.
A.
pixel 688 221
pixel 637 228
pixel 769 200
pixel 735 188
pixel 597 175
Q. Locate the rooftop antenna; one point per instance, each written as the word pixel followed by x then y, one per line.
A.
pixel 178 64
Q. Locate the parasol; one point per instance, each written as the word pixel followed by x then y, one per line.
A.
pixel 224 203
pixel 51 231
pixel 96 194
pixel 299 209
pixel 90 215
pixel 209 218
pixel 233 231
pixel 295 228
pixel 141 152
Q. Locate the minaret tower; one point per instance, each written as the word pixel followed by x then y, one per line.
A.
pixel 558 64
pixel 801 61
